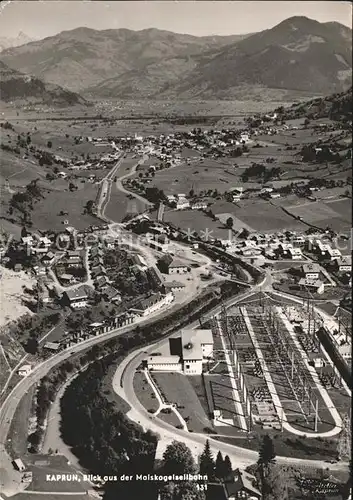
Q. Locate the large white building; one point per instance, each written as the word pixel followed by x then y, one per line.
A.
pixel 195 348
pixel 153 303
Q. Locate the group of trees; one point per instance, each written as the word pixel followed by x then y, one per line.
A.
pixel 216 470
pixel 24 201
pixel 320 154
pixel 105 441
pixel 257 170
pixel 155 195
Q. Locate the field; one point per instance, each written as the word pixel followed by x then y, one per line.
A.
pixel 200 176
pixel 176 388
pixel 336 214
pixel 9 228
pixel 265 217
pixel 45 214
pixel 169 418
pixel 121 204
pixel 144 392
pixel 20 171
pixel 196 220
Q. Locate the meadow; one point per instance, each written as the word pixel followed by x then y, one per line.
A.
pixel 196 220
pixel 45 215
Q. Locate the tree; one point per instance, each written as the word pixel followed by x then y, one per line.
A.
pixel 227 466
pixel 178 459
pixel 266 458
pixel 31 345
pixel 244 233
pixel 49 144
pixel 207 465
pixel 191 193
pixel 219 467
pixel 229 222
pixel 28 139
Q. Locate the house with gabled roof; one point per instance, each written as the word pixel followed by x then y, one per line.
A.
pixel 239 485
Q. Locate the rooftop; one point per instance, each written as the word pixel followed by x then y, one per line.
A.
pixel 346 260
pixel 192 341
pixel 76 294
pixel 311 268
pixel 156 360
pixel 177 263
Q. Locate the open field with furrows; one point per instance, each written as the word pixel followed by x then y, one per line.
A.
pixel 176 388
pixel 265 217
pixel 144 392
pixel 336 214
pixel 45 214
pixel 196 220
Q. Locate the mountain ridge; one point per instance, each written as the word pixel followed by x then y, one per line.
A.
pixel 297 54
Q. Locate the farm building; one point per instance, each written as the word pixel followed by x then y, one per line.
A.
pixel 152 303
pixel 76 298
pixel 168 265
pixel 177 267
pixel 239 484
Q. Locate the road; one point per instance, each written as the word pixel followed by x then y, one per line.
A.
pixel 8 407
pixel 240 457
pixel 121 188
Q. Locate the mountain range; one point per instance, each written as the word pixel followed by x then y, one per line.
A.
pixel 298 54
pixel 15 86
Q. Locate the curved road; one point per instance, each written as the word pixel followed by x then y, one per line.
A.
pixel 240 457
pixel 8 407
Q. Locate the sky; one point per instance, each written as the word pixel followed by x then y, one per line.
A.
pixel 39 19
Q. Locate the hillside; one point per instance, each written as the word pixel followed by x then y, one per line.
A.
pixel 83 57
pixel 297 54
pixel 16 86
pixel 335 106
